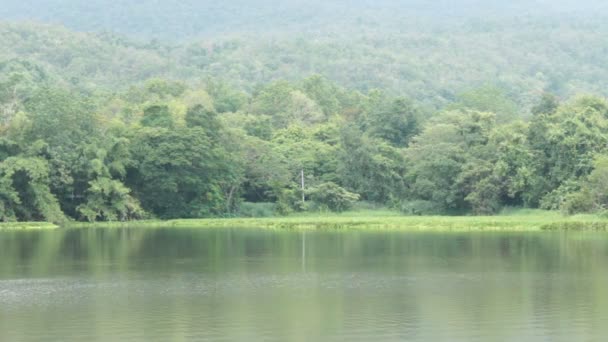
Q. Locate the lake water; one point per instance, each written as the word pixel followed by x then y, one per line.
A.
pixel 266 285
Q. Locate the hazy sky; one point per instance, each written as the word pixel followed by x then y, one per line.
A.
pixel 182 18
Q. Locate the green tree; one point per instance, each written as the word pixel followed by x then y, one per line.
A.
pixel 177 173
pixel 396 122
pixel 225 98
pixel 370 167
pixel 24 191
pixel 107 198
pixel 488 99
pixel 449 159
pixel 157 116
pixel 199 116
pixel 593 195
pixel 548 104
pixel 274 100
pixel 323 92
pixel 565 144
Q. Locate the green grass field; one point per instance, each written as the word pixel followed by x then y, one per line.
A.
pixel 27 225
pixel 519 220
pixel 516 220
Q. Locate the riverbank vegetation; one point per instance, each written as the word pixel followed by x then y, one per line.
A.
pixel 519 220
pixel 27 226
pixel 99 128
pixel 402 223
pixel 167 150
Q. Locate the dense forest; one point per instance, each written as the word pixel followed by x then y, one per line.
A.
pixel 523 58
pixel 455 116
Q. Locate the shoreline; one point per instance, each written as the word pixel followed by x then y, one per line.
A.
pixel 537 221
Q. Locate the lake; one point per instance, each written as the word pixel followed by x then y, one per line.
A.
pixel 271 285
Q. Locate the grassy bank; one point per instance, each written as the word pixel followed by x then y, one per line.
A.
pixel 528 220
pixel 520 220
pixel 27 225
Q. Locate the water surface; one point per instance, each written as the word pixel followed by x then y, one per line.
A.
pixel 267 285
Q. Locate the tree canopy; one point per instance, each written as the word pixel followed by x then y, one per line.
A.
pixel 458 115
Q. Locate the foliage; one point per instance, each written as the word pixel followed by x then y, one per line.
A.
pixel 107 198
pixel 331 196
pixel 25 193
pixel 249 209
pixel 177 173
pixel 496 64
pixel 593 195
pixel 177 148
pixel 370 167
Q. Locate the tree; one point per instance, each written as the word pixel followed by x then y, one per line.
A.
pixel 57 126
pixel 396 123
pixel 157 116
pixel 448 162
pixel 107 197
pixel 304 110
pixel 60 118
pixel 164 88
pixel 548 104
pixel 593 195
pixel 565 144
pixel 225 98
pixel 266 171
pixel 24 191
pixel 370 167
pixel 488 99
pixel 199 116
pixel 322 92
pixel 177 173
pixel 274 100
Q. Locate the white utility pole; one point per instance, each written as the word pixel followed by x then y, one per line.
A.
pixel 303 195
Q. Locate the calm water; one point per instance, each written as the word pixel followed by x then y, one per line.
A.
pixel 260 285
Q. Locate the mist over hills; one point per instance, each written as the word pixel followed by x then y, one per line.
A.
pixel 179 20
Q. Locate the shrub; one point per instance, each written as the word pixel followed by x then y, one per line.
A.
pixel 578 202
pixel 332 197
pixel 250 209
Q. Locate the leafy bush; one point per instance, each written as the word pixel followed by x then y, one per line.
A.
pixel 250 209
pixel 556 198
pixel 592 196
pixel 579 202
pixel 332 197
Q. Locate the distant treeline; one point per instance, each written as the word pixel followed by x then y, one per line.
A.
pixel 434 67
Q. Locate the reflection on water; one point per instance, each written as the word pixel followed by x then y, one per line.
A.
pixel 246 285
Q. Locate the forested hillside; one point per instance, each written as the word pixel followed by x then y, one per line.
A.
pixel 219 114
pixel 523 59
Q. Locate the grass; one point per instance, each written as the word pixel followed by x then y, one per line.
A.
pixel 528 220
pixel 512 220
pixel 27 225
